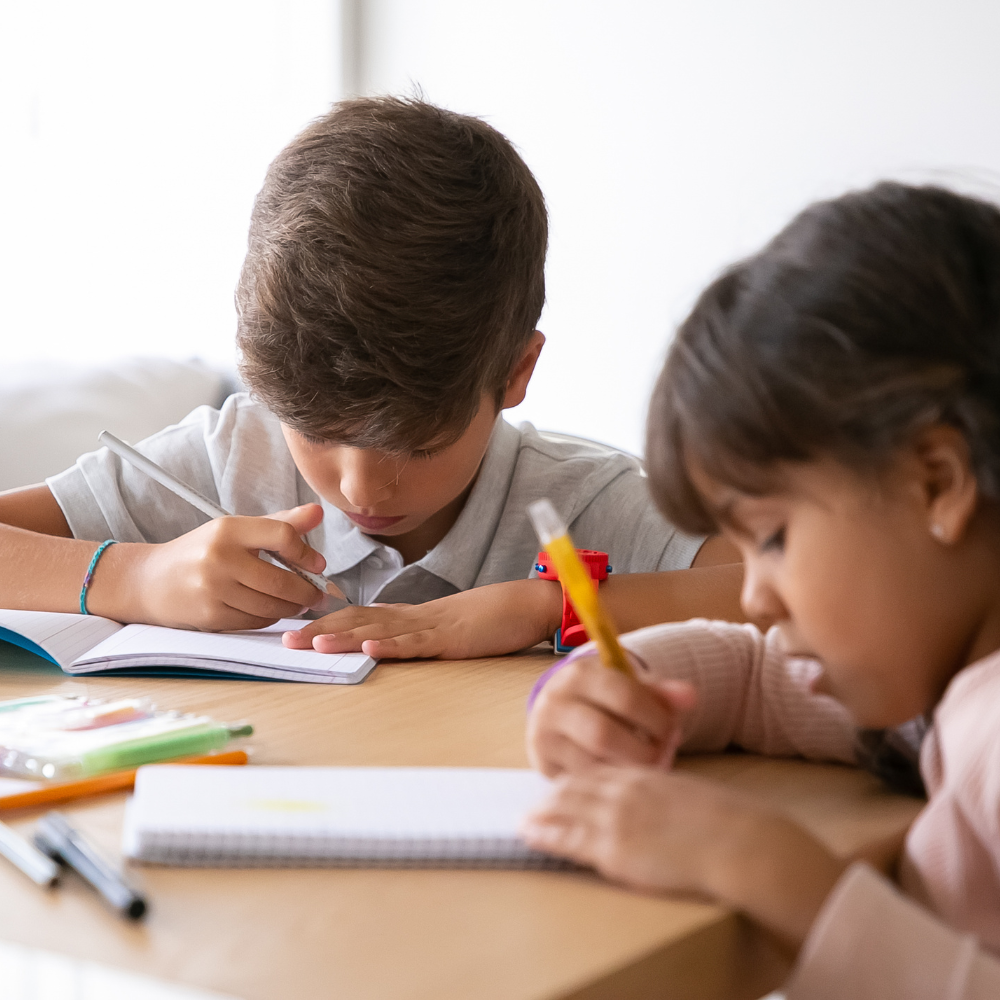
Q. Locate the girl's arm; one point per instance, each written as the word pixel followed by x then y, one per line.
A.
pixel 740 689
pixel 664 832
pixel 870 942
pixel 749 693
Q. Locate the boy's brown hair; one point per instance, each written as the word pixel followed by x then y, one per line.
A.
pixel 394 275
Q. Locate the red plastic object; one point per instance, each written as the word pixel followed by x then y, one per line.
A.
pixel 571 633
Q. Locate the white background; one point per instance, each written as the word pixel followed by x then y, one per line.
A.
pixel 133 138
pixel 669 138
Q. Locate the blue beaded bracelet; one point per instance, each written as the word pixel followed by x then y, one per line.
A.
pixel 90 574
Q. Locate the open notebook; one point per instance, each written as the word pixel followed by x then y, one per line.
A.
pixel 300 816
pixel 88 644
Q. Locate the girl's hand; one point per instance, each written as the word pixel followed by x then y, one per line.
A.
pixel 667 832
pixel 587 714
pixel 487 621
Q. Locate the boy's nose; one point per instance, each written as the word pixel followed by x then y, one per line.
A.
pixel 366 481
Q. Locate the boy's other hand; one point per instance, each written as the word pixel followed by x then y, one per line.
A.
pixel 212 578
pixel 488 621
pixel 587 715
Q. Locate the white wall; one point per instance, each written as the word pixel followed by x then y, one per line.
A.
pixel 671 137
pixel 133 138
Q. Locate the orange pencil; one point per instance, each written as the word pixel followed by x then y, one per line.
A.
pixel 117 782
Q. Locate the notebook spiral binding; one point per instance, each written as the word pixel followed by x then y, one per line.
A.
pixel 236 850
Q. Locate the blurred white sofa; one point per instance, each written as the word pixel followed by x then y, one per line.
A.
pixel 50 413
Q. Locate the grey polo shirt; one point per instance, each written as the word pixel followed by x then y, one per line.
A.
pixel 237 456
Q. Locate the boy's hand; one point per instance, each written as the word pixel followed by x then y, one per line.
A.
pixel 667 832
pixel 587 714
pixel 488 621
pixel 211 578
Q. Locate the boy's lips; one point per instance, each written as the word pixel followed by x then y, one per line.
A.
pixel 374 523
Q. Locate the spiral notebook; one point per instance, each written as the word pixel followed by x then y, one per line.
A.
pixel 360 816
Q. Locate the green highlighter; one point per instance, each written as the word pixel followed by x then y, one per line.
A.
pixel 199 738
pixel 70 755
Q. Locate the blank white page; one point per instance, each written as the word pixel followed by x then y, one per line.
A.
pixel 260 647
pixel 368 803
pixel 64 637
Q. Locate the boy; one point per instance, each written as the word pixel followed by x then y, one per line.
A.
pixel 387 312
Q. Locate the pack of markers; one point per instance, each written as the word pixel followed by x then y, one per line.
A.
pixel 65 738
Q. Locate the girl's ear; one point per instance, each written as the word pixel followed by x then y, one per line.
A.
pixel 950 489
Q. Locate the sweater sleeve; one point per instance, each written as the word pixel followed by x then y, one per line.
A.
pixel 749 693
pixel 870 942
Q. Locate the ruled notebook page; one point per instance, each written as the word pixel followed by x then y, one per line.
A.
pixel 261 647
pixel 64 637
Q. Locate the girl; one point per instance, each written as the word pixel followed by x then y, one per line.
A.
pixel 833 406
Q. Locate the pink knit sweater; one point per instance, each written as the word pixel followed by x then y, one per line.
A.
pixel 869 941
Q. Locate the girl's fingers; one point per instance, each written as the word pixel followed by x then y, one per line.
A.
pixel 554 754
pixel 682 696
pixel 603 736
pixel 570 822
pixel 566 838
pixel 635 703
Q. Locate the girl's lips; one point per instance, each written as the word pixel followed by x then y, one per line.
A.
pixel 373 523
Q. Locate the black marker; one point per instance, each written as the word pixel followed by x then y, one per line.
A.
pixel 56 838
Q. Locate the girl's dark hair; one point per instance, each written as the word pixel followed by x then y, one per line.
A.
pixel 868 317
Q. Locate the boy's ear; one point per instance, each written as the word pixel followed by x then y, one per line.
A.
pixel 950 487
pixel 517 384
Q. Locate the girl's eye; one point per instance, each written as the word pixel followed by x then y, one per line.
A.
pixel 775 543
pixel 426 453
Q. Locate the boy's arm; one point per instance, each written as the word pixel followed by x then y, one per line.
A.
pixel 209 578
pixel 42 564
pixel 505 617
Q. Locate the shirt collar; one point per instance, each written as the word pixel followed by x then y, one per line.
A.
pixel 459 556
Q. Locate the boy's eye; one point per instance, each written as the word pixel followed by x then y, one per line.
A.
pixel 775 542
pixel 423 453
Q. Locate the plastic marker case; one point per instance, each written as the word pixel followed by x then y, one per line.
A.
pixel 73 738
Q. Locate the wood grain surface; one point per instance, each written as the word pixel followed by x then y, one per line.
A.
pixel 396 934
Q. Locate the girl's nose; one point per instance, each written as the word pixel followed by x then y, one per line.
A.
pixel 759 599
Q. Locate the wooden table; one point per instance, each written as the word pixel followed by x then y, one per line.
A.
pixel 389 934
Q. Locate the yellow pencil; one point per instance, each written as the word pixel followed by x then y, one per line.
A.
pixel 573 575
pixel 63 791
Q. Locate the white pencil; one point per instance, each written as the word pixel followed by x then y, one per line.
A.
pixel 205 505
pixel 41 869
